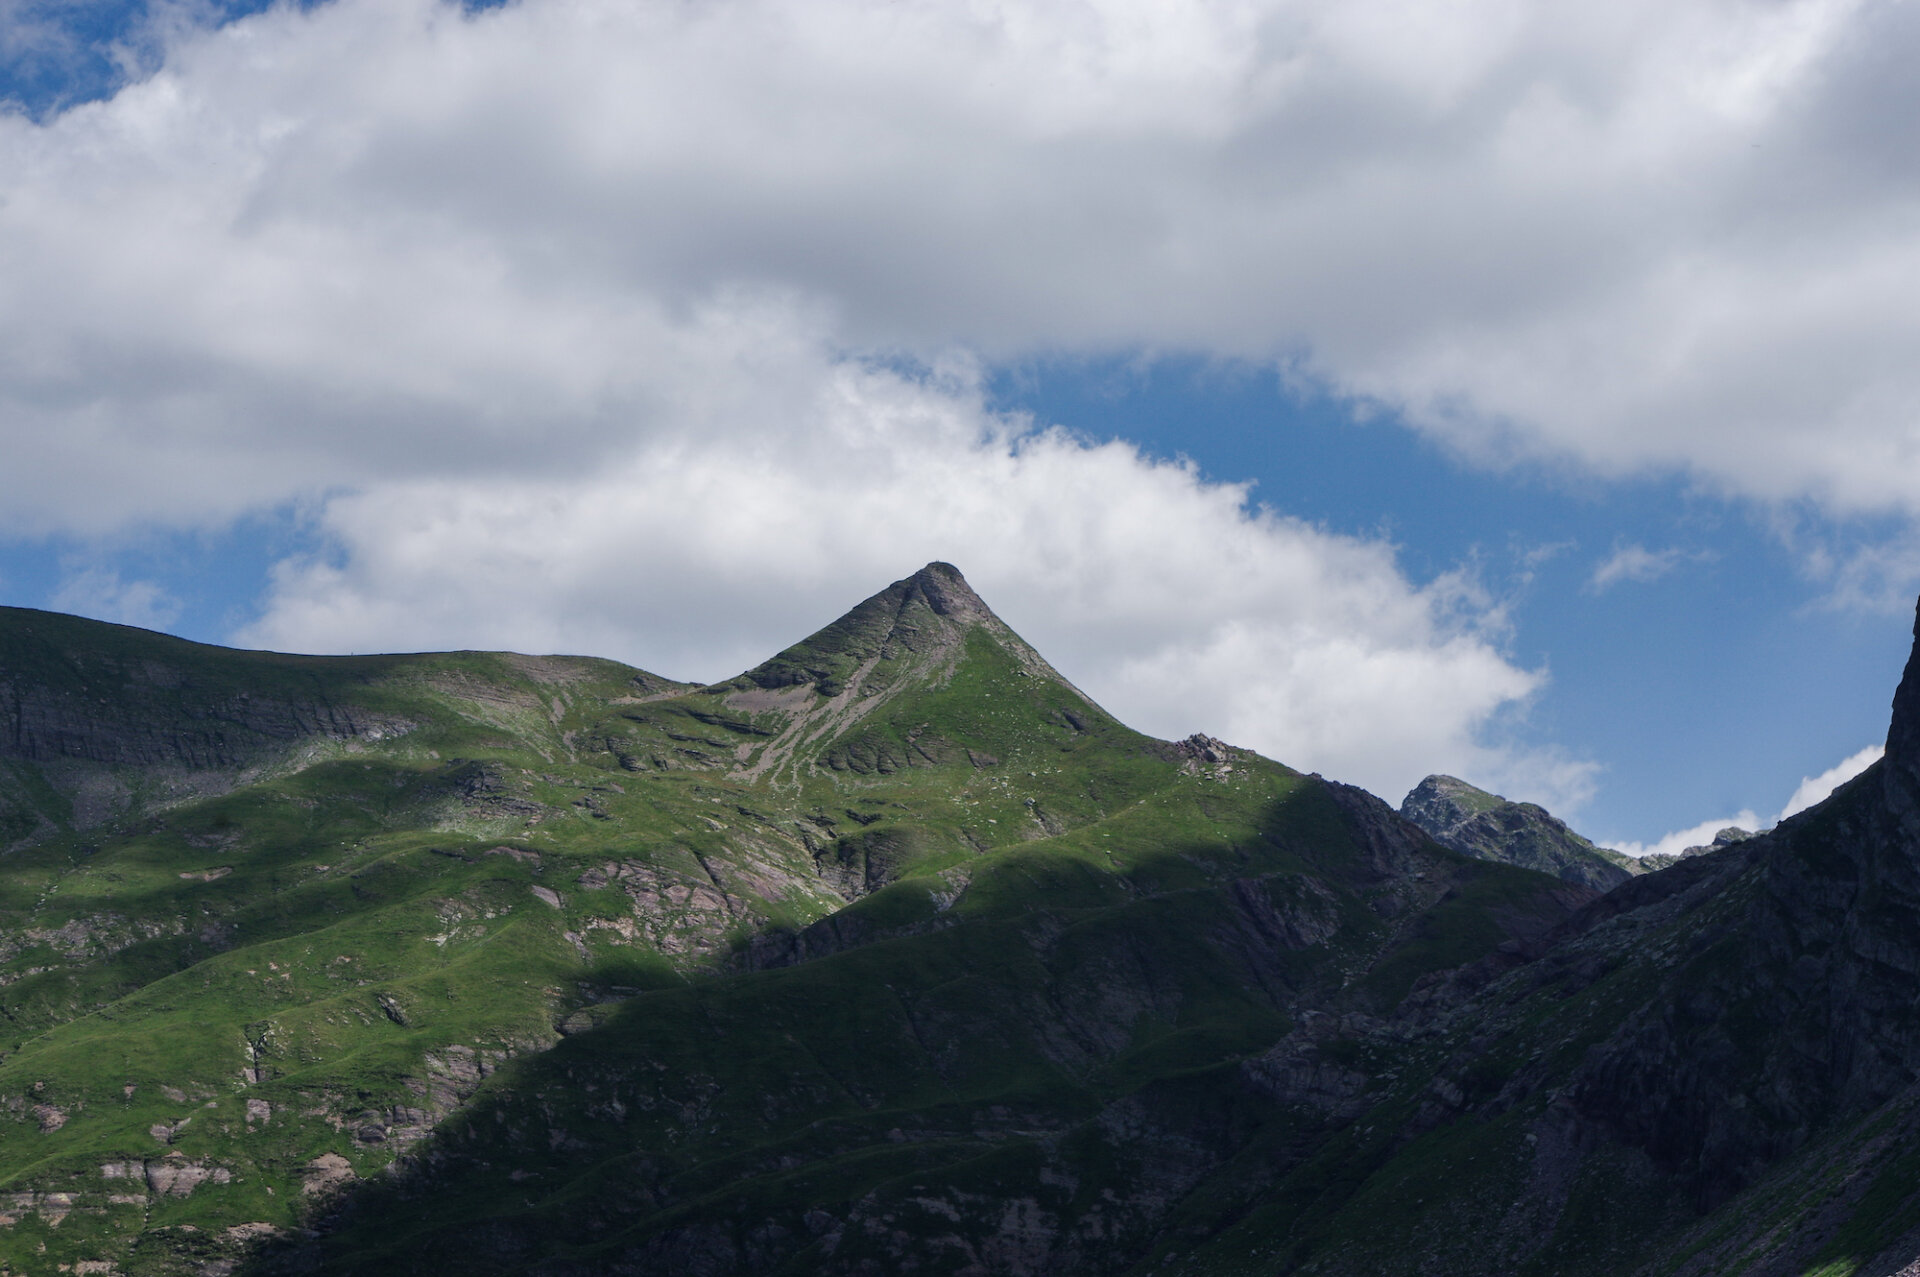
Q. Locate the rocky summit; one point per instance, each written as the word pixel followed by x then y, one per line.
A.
pixel 895 953
pixel 1489 827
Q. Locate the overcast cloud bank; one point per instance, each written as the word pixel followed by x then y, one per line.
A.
pixel 378 237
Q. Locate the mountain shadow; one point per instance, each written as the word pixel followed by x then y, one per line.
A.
pixel 1096 1052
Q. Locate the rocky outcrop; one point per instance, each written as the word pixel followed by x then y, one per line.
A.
pixel 1721 841
pixel 174 1175
pixel 1488 827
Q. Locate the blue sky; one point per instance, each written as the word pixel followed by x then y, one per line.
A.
pixel 1709 688
pixel 1577 436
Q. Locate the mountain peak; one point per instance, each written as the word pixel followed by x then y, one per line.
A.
pixel 919 624
pixel 948 593
pixel 1440 804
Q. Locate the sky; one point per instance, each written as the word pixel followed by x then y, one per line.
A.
pixel 1523 392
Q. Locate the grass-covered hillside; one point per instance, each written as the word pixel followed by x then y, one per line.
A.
pixel 1238 1022
pixel 283 939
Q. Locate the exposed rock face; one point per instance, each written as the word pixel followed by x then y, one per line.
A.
pixel 1903 732
pixel 98 693
pixel 108 716
pixel 1489 827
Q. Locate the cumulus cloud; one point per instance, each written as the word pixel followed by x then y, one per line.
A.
pixel 1814 789
pixel 1166 597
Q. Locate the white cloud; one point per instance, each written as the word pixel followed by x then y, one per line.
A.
pixel 1633 563
pixel 1814 789
pixel 1694 836
pixel 382 238
pixel 1165 597
pixel 102 594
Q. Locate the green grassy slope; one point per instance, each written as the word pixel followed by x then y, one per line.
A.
pixel 900 902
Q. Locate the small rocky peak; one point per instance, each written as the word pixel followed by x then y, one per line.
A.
pixel 1441 804
pixel 1488 827
pixel 1729 836
pixel 1721 841
pixel 948 593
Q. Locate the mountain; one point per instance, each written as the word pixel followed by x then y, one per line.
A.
pixel 280 935
pixel 1489 827
pixel 894 953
